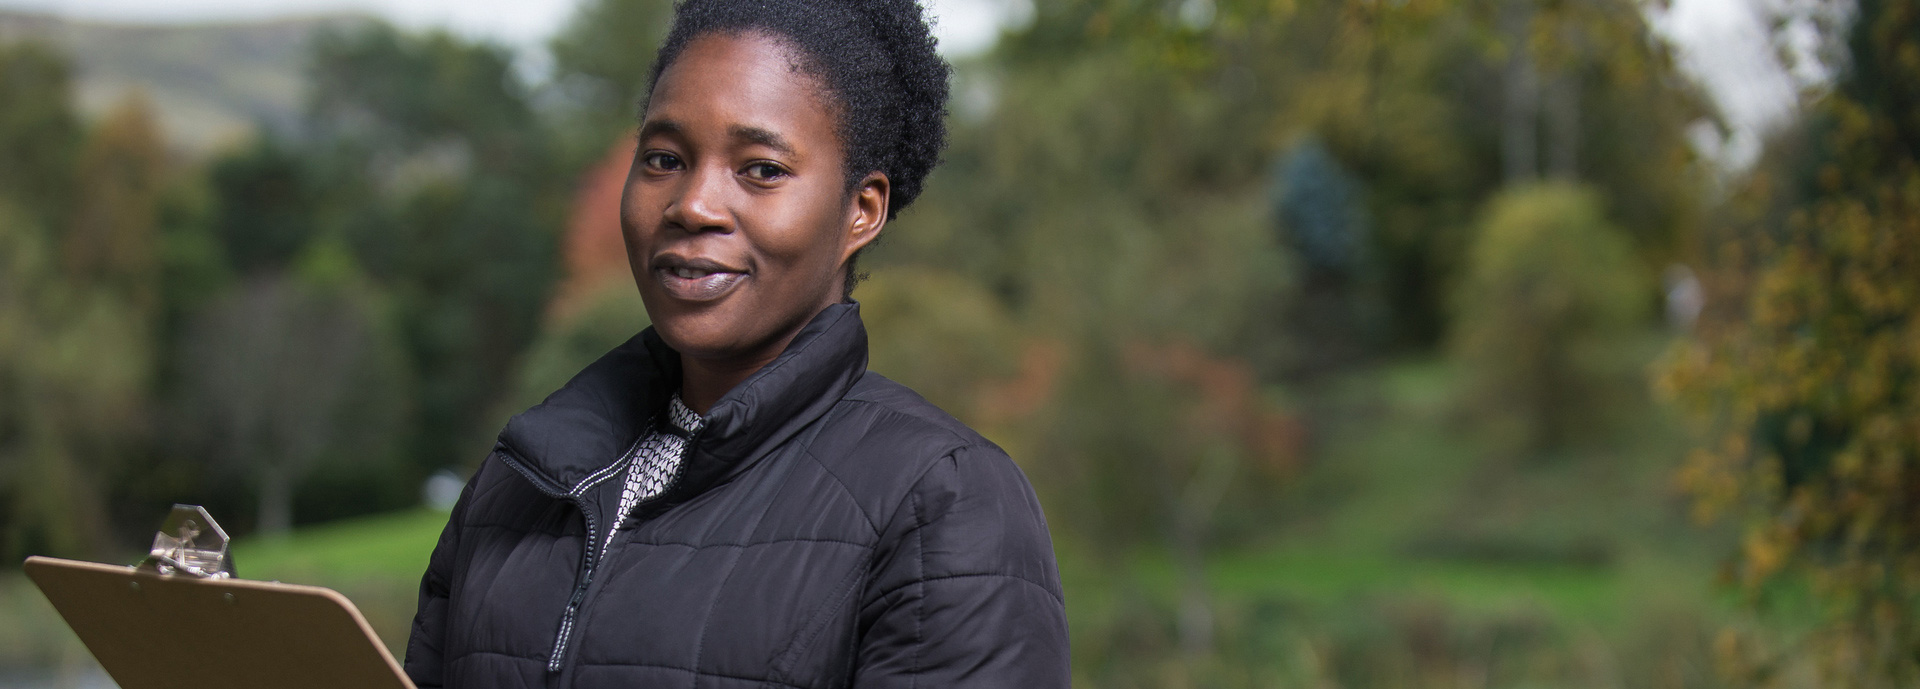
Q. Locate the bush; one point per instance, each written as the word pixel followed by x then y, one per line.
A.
pixel 608 315
pixel 939 333
pixel 1548 286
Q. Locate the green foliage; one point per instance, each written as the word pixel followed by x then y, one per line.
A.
pixel 1400 95
pixel 268 203
pixel 290 371
pixel 477 268
pixel 1806 376
pixel 344 309
pixel 610 41
pixel 1549 288
pixel 609 315
pixel 124 175
pixel 386 89
pixel 77 305
pixel 601 63
pixel 1115 222
pixel 73 375
pixel 1109 183
pixel 1094 280
pixel 40 136
pixel 441 177
pixel 939 334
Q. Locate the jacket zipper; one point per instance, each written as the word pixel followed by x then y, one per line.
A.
pixel 590 552
pixel 579 600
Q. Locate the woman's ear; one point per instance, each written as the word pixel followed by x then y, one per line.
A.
pixel 868 213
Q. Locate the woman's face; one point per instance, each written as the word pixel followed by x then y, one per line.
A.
pixel 736 216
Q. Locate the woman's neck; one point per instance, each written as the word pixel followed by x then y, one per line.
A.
pixel 704 381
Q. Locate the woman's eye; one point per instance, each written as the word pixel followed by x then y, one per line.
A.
pixel 765 172
pixel 662 161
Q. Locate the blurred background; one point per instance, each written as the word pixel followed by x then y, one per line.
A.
pixel 1349 343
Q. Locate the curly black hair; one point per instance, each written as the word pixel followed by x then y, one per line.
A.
pixel 876 59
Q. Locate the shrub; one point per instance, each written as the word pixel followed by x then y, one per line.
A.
pixel 1549 285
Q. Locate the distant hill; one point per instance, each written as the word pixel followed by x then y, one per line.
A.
pixel 210 83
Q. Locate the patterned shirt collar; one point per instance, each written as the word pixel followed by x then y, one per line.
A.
pixel 683 418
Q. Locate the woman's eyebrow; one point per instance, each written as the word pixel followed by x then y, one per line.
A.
pixel 660 128
pixel 756 135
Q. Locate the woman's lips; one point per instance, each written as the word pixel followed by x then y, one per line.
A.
pixel 696 284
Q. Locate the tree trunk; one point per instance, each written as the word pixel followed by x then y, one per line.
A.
pixel 1520 112
pixel 1563 128
pixel 276 501
pixel 1196 606
pixel 1192 518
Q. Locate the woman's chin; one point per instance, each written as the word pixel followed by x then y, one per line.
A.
pixel 705 337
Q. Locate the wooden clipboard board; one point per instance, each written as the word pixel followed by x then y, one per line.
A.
pixel 152 631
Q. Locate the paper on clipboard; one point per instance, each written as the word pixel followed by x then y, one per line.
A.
pixel 152 631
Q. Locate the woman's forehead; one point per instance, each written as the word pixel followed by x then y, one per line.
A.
pixel 748 86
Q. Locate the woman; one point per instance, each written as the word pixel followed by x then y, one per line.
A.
pixel 730 498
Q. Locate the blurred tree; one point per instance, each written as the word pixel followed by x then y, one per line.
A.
pixel 73 370
pixel 441 177
pixel 1112 183
pixel 608 315
pixel 601 63
pixel 942 335
pixel 1106 189
pixel 40 136
pixel 123 174
pixel 1806 371
pixel 346 303
pixel 1400 96
pixel 425 104
pixel 293 368
pixel 477 268
pixel 1173 443
pixel 1403 95
pixel 1549 288
pixel 267 206
pixel 1320 210
pixel 78 298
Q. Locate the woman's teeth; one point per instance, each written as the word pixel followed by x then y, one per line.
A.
pixel 690 273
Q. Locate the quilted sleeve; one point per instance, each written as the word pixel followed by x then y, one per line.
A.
pixel 424 662
pixel 965 591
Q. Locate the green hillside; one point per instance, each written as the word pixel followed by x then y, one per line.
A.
pixel 211 83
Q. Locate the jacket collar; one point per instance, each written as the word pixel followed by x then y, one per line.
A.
pixel 569 442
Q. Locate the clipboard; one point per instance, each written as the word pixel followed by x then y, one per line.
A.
pixel 175 631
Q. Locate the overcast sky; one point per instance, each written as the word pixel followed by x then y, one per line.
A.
pixel 1723 41
pixel 965 25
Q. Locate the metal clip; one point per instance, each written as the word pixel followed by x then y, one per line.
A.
pixel 190 543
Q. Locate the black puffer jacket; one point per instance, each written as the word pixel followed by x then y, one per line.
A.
pixel 829 528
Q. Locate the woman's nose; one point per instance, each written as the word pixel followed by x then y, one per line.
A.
pixel 701 205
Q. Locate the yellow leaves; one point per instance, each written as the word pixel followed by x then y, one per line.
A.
pixel 122 173
pixel 1818 401
pixel 1731 654
pixel 1714 487
pixel 1765 552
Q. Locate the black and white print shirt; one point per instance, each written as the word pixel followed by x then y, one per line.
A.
pixel 656 460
